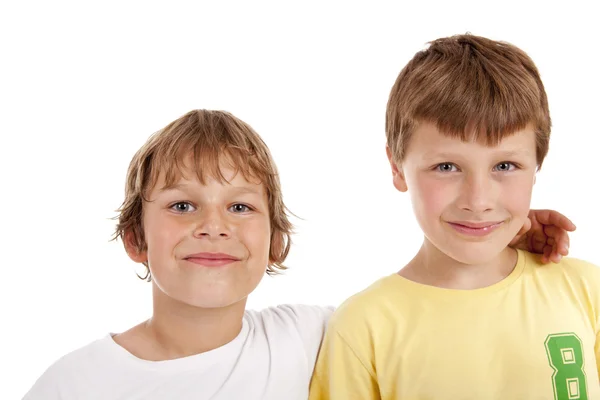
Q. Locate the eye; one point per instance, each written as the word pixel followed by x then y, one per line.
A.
pixel 239 208
pixel 446 167
pixel 505 166
pixel 182 207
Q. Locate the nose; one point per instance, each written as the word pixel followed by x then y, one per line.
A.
pixel 478 193
pixel 212 224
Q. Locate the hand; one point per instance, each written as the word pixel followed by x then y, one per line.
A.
pixel 545 232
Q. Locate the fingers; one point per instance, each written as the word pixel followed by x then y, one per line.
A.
pixel 553 251
pixel 538 241
pixel 551 217
pixel 547 254
pixel 526 227
pixel 558 239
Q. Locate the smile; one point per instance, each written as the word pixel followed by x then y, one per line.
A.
pixel 211 259
pixel 475 229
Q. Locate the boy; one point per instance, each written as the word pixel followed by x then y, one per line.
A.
pixel 467 128
pixel 203 211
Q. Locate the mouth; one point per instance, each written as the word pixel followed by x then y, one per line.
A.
pixel 211 259
pixel 475 228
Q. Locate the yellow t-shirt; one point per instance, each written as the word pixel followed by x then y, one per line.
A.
pixel 534 335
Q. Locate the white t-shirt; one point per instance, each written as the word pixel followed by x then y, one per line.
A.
pixel 271 359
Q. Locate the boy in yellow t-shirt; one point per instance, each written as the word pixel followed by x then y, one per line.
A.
pixel 469 317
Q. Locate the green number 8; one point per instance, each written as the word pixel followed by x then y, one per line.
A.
pixel 565 354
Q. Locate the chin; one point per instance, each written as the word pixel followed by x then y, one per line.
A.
pixel 207 296
pixel 215 302
pixel 475 255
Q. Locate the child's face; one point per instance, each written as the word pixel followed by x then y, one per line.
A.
pixel 208 245
pixel 469 199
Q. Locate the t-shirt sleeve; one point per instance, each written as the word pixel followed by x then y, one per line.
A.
pixel 340 373
pixel 311 322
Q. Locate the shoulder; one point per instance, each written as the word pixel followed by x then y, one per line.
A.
pixel 567 267
pixel 571 278
pixel 294 321
pixel 361 322
pixel 291 316
pixel 581 272
pixel 583 267
pixel 90 354
pixel 372 298
pixel 292 328
pixel 382 301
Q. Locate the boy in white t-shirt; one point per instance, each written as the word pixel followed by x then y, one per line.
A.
pixel 203 212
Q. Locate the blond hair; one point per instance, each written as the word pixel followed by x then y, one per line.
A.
pixel 209 137
pixel 471 88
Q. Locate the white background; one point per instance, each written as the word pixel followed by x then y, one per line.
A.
pixel 82 86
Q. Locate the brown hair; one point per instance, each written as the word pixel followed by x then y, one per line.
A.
pixel 471 88
pixel 208 136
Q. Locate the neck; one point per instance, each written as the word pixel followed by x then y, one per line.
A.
pixel 432 267
pixel 181 330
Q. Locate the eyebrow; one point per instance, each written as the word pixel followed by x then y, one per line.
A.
pixel 175 186
pixel 245 189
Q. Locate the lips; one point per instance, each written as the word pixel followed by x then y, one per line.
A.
pixel 475 228
pixel 476 225
pixel 211 259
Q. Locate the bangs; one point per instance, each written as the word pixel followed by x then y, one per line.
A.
pixel 477 100
pixel 204 154
pixel 207 163
pixel 470 88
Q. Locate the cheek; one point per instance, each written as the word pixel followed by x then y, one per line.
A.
pixel 162 231
pixel 256 235
pixel 516 196
pixel 431 196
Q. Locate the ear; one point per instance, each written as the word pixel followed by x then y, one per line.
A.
pixel 397 173
pixel 132 249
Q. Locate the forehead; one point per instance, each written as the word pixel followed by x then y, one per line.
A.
pixel 428 141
